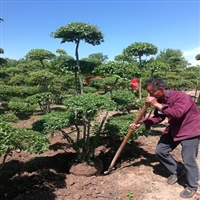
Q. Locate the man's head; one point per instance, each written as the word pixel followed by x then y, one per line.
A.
pixel 157 88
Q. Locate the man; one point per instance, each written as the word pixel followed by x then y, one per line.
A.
pixel 184 128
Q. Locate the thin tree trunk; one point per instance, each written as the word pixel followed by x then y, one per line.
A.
pixel 84 138
pixel 88 141
pixel 78 69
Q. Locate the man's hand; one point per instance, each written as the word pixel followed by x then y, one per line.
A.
pixel 134 126
pixel 153 101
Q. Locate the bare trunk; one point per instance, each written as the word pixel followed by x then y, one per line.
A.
pixel 78 76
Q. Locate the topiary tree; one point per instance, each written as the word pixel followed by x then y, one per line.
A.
pixel 43 99
pixel 43 76
pixel 139 49
pixel 154 65
pixel 81 114
pixel 12 139
pixel 173 57
pixel 85 108
pixel 75 32
pixel 124 99
pixel 40 55
pixel 99 56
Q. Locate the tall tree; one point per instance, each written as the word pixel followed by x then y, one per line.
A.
pixel 75 32
pixel 123 58
pixel 156 65
pixel 43 75
pixel 173 57
pixel 99 56
pixel 139 49
pixel 40 55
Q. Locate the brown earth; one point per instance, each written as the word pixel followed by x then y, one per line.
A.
pixel 138 174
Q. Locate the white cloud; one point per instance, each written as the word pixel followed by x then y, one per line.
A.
pixel 189 55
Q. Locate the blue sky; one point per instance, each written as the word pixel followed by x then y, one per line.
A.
pixel 166 24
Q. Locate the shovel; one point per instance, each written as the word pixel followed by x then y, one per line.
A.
pixel 128 135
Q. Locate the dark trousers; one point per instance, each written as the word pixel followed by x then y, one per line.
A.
pixel 189 154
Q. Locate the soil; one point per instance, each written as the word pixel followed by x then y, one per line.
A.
pixel 49 176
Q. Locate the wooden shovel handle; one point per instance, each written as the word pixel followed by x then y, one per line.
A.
pixel 128 135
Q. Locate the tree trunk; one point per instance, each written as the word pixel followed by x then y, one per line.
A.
pixel 79 79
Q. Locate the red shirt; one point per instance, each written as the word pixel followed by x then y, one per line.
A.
pixel 182 113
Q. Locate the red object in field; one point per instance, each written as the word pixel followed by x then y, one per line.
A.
pixel 135 84
pixel 91 77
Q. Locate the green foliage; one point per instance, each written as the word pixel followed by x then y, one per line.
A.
pixel 3 74
pixel 76 31
pixel 8 117
pixel 118 126
pixel 17 80
pixel 85 108
pixel 17 105
pixel 43 99
pixel 39 54
pixel 1 50
pixel 97 83
pixel 2 61
pixel 81 111
pixel 117 69
pixel 124 99
pixel 130 195
pixel 173 57
pixel 88 89
pixel 40 98
pixel 109 81
pixel 12 138
pixel 53 121
pixel 182 84
pixel 124 57
pixel 156 65
pixel 138 49
pixel 197 57
pixel 18 91
pixel 140 102
pixel 89 104
pixel 99 56
pixel 88 65
pixel 40 77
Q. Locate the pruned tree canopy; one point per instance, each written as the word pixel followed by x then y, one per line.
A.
pixel 77 31
pixel 39 54
pixel 139 49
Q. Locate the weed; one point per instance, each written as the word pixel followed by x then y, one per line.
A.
pixel 130 195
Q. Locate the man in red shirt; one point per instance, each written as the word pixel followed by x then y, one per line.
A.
pixel 184 128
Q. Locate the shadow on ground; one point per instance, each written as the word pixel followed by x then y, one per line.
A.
pixel 36 179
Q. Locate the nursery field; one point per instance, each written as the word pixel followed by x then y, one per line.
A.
pixel 138 174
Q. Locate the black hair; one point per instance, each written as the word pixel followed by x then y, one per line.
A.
pixel 156 84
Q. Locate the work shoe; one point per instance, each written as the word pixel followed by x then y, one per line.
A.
pixel 187 193
pixel 173 178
